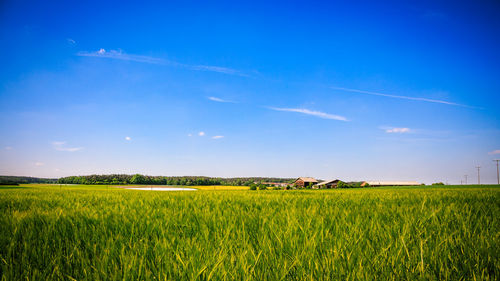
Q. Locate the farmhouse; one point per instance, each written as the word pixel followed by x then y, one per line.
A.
pixel 390 183
pixel 327 184
pixel 303 182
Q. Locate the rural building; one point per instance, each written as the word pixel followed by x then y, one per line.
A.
pixel 327 184
pixel 390 183
pixel 303 182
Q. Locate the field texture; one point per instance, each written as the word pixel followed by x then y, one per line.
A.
pixel 99 233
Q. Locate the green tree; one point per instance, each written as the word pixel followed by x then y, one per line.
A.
pixel 138 179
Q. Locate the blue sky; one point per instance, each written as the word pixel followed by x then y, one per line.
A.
pixel 397 90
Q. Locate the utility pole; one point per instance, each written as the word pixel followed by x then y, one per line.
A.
pixel 465 179
pixel 498 178
pixel 478 176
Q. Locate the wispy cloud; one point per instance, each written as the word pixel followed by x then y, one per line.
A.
pixel 201 134
pixel 39 164
pixel 128 138
pixel 8 148
pixel 61 146
pixel 217 137
pixel 120 55
pixel 397 130
pixel 311 112
pixel 71 41
pixel 220 100
pixel 400 97
pixel 494 152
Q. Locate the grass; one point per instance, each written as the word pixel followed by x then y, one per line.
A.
pixel 96 233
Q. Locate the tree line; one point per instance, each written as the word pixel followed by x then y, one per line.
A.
pixel 164 180
pixel 11 180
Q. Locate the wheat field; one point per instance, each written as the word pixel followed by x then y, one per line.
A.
pixel 52 232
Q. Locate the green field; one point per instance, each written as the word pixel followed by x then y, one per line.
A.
pixel 105 233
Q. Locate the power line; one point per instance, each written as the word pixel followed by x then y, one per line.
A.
pixel 498 177
pixel 478 176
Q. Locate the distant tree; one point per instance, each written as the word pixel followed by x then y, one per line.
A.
pixel 262 187
pixel 438 183
pixel 138 179
pixel 253 186
pixel 341 184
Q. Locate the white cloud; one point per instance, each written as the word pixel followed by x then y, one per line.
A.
pixel 71 41
pixel 190 135
pixel 397 130
pixel 217 137
pixel 61 146
pixel 39 164
pixel 494 152
pixel 311 112
pixel 400 97
pixel 219 100
pixel 201 134
pixel 120 55
pixel 128 138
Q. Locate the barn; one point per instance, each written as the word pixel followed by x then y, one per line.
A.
pixel 327 184
pixel 305 181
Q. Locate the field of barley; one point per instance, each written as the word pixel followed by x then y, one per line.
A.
pixel 51 232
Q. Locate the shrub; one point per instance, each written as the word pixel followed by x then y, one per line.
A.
pixel 342 184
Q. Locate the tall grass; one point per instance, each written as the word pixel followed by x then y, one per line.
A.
pixel 385 234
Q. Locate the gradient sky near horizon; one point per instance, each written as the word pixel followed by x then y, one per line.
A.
pixel 355 90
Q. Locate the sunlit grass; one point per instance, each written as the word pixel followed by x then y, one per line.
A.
pixel 99 232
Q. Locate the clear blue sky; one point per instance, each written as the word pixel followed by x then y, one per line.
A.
pixel 397 90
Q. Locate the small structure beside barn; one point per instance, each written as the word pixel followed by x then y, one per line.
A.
pixel 327 184
pixel 305 182
pixel 277 184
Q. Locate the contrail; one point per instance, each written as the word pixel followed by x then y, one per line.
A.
pixel 401 97
pixel 119 55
